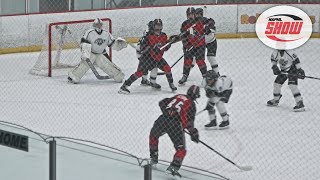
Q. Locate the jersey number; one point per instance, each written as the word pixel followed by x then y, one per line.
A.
pixel 177 105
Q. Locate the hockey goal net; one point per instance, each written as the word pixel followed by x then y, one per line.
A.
pixel 61 45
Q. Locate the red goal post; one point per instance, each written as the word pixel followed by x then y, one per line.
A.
pixel 59 38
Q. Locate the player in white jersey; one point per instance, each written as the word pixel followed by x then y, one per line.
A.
pixel 218 90
pixel 93 47
pixel 290 69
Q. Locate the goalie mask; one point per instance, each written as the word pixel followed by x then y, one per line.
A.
pixel 193 92
pixel 97 24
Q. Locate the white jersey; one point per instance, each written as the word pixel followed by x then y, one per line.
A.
pixel 99 42
pixel 223 83
pixel 210 37
pixel 286 60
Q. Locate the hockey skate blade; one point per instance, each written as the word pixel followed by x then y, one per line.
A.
pixel 212 128
pixel 299 110
pixel 272 105
pixel 180 85
pixel 123 92
pixel 223 128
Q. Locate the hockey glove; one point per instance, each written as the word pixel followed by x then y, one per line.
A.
pixel 194 134
pixel 207 30
pixel 174 38
pixel 156 50
pixel 276 70
pixel 301 74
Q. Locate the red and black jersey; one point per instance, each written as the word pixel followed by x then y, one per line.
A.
pixel 185 29
pixel 151 41
pixel 198 39
pixel 180 107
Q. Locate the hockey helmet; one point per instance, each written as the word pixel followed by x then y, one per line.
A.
pixel 212 75
pixel 199 11
pixel 157 22
pixel 150 26
pixel 193 92
pixel 190 10
pixel 97 24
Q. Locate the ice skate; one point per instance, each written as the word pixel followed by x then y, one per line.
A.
pixel 183 80
pixel 173 88
pixel 155 85
pixel 224 124
pixel 173 171
pixel 70 80
pixel 211 125
pixel 145 82
pixel 154 158
pixel 124 90
pixel 273 102
pixel 299 107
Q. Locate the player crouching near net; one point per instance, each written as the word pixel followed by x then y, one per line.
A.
pixel 93 50
pixel 178 114
pixel 152 44
pixel 218 90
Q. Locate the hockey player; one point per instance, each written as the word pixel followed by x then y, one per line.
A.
pixel 218 90
pixel 290 68
pixel 93 47
pixel 178 113
pixel 152 44
pixel 143 54
pixel 210 39
pixel 193 39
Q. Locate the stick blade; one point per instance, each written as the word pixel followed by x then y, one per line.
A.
pixel 245 168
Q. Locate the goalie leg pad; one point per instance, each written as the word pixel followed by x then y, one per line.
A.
pixel 79 71
pixel 109 68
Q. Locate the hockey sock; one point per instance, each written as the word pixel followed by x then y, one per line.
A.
pixel 295 92
pixel 169 77
pixel 213 62
pixel 222 110
pixel 276 91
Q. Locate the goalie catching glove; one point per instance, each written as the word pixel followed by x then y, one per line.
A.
pixel 119 44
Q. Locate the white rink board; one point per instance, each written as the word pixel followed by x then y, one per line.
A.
pixel 253 10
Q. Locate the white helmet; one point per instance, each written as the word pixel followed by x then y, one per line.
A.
pixel 97 24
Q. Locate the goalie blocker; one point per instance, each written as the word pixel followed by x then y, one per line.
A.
pixel 93 47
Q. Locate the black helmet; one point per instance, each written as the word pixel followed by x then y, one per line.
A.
pixel 199 11
pixel 211 74
pixel 190 10
pixel 193 92
pixel 157 22
pixel 150 26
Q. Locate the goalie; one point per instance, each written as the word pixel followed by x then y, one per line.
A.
pixel 93 49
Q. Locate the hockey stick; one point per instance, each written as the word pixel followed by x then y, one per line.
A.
pixel 300 77
pixel 162 73
pixel 95 72
pixel 244 168
pixel 203 110
pixel 174 41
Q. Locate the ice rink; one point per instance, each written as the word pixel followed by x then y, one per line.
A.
pixel 277 142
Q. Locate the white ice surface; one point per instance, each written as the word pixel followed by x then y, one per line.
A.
pixel 277 142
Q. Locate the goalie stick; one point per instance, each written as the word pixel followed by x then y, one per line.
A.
pixel 243 168
pixel 95 72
